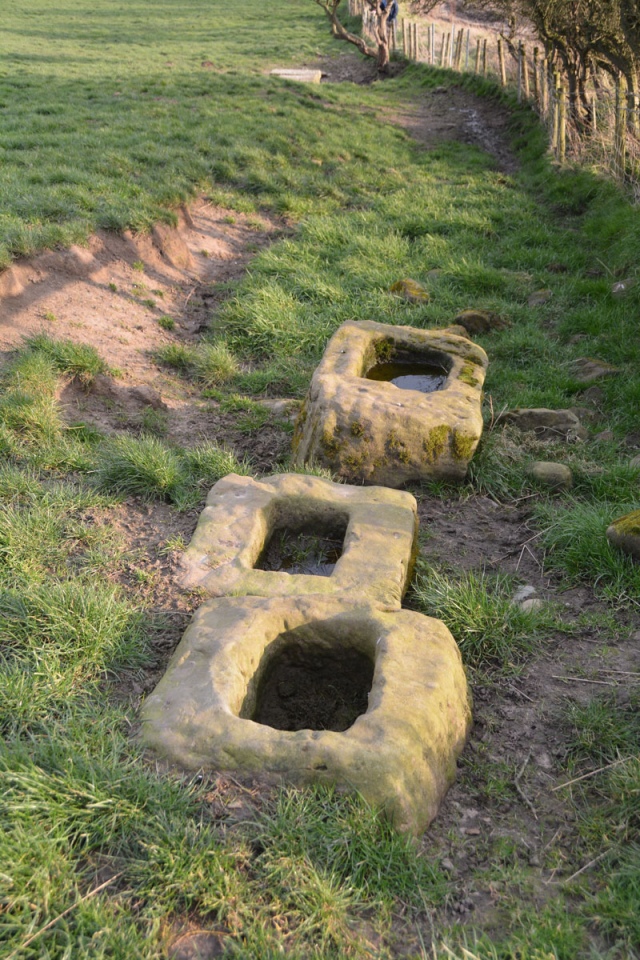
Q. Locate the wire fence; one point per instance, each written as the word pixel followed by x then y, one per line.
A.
pixel 598 125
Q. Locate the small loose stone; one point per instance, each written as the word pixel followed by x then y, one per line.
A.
pixel 523 593
pixel 539 297
pixel 530 606
pixel 556 476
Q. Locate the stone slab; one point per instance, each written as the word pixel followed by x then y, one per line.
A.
pixel 373 432
pixel 240 514
pixel 299 76
pixel 400 754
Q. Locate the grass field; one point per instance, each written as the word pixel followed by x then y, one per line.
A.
pixel 108 118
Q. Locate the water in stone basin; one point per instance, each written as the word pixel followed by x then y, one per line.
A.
pixel 304 552
pixel 410 375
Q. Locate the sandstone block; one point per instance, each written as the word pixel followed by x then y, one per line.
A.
pixel 479 321
pixel 376 529
pixel 299 76
pixel 548 424
pixel 400 750
pixel 557 476
pixel 410 290
pixel 588 369
pixel 370 430
pixel 625 533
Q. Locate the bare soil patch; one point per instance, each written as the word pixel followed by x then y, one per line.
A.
pixel 112 293
pixel 451 113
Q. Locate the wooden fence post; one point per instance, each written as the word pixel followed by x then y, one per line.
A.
pixel 433 44
pixel 525 73
pixel 632 113
pixel 457 62
pixel 555 113
pixel 415 42
pixel 446 50
pixel 405 45
pixel 536 78
pixel 594 116
pixel 484 57
pixel 503 70
pixel 562 123
pixel 519 73
pixel 544 77
pixel 619 138
pixel 477 66
pixel 466 54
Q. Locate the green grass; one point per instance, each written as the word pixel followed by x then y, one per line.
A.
pixel 149 468
pixel 109 119
pixel 573 534
pixel 606 731
pixel 478 609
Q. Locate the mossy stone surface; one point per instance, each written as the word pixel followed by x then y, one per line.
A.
pixel 400 754
pixel 241 513
pixel 624 533
pixel 400 435
pixel 411 290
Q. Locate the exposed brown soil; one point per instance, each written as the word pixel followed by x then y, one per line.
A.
pixel 451 113
pixel 307 688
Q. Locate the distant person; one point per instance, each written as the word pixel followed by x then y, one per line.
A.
pixel 393 11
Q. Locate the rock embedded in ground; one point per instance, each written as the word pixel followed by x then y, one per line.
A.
pixel 539 297
pixel 480 321
pixel 635 463
pixel 372 431
pixel 605 436
pixel 547 424
pixel 400 753
pixel 410 290
pixel 523 593
pixel 625 533
pixel 588 369
pixel 593 395
pixel 242 515
pixel 531 605
pixel 556 476
pixel 147 396
pixel 621 287
pixel 104 386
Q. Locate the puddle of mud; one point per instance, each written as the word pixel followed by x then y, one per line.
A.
pixel 307 687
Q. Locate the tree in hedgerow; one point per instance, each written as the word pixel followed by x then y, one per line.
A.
pixel 378 47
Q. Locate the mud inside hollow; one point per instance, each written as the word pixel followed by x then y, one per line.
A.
pixel 307 687
pixel 314 550
pixel 410 371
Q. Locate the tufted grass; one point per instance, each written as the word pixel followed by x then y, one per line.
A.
pixel 490 630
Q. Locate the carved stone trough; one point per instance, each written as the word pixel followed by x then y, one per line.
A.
pixel 317 690
pixel 297 535
pixel 372 416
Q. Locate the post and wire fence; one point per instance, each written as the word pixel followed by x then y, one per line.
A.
pixel 599 125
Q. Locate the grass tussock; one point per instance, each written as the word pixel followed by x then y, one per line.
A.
pixel 149 468
pixel 478 609
pixel 574 536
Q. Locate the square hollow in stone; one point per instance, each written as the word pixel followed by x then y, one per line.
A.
pixel 295 535
pixel 392 732
pixel 393 404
